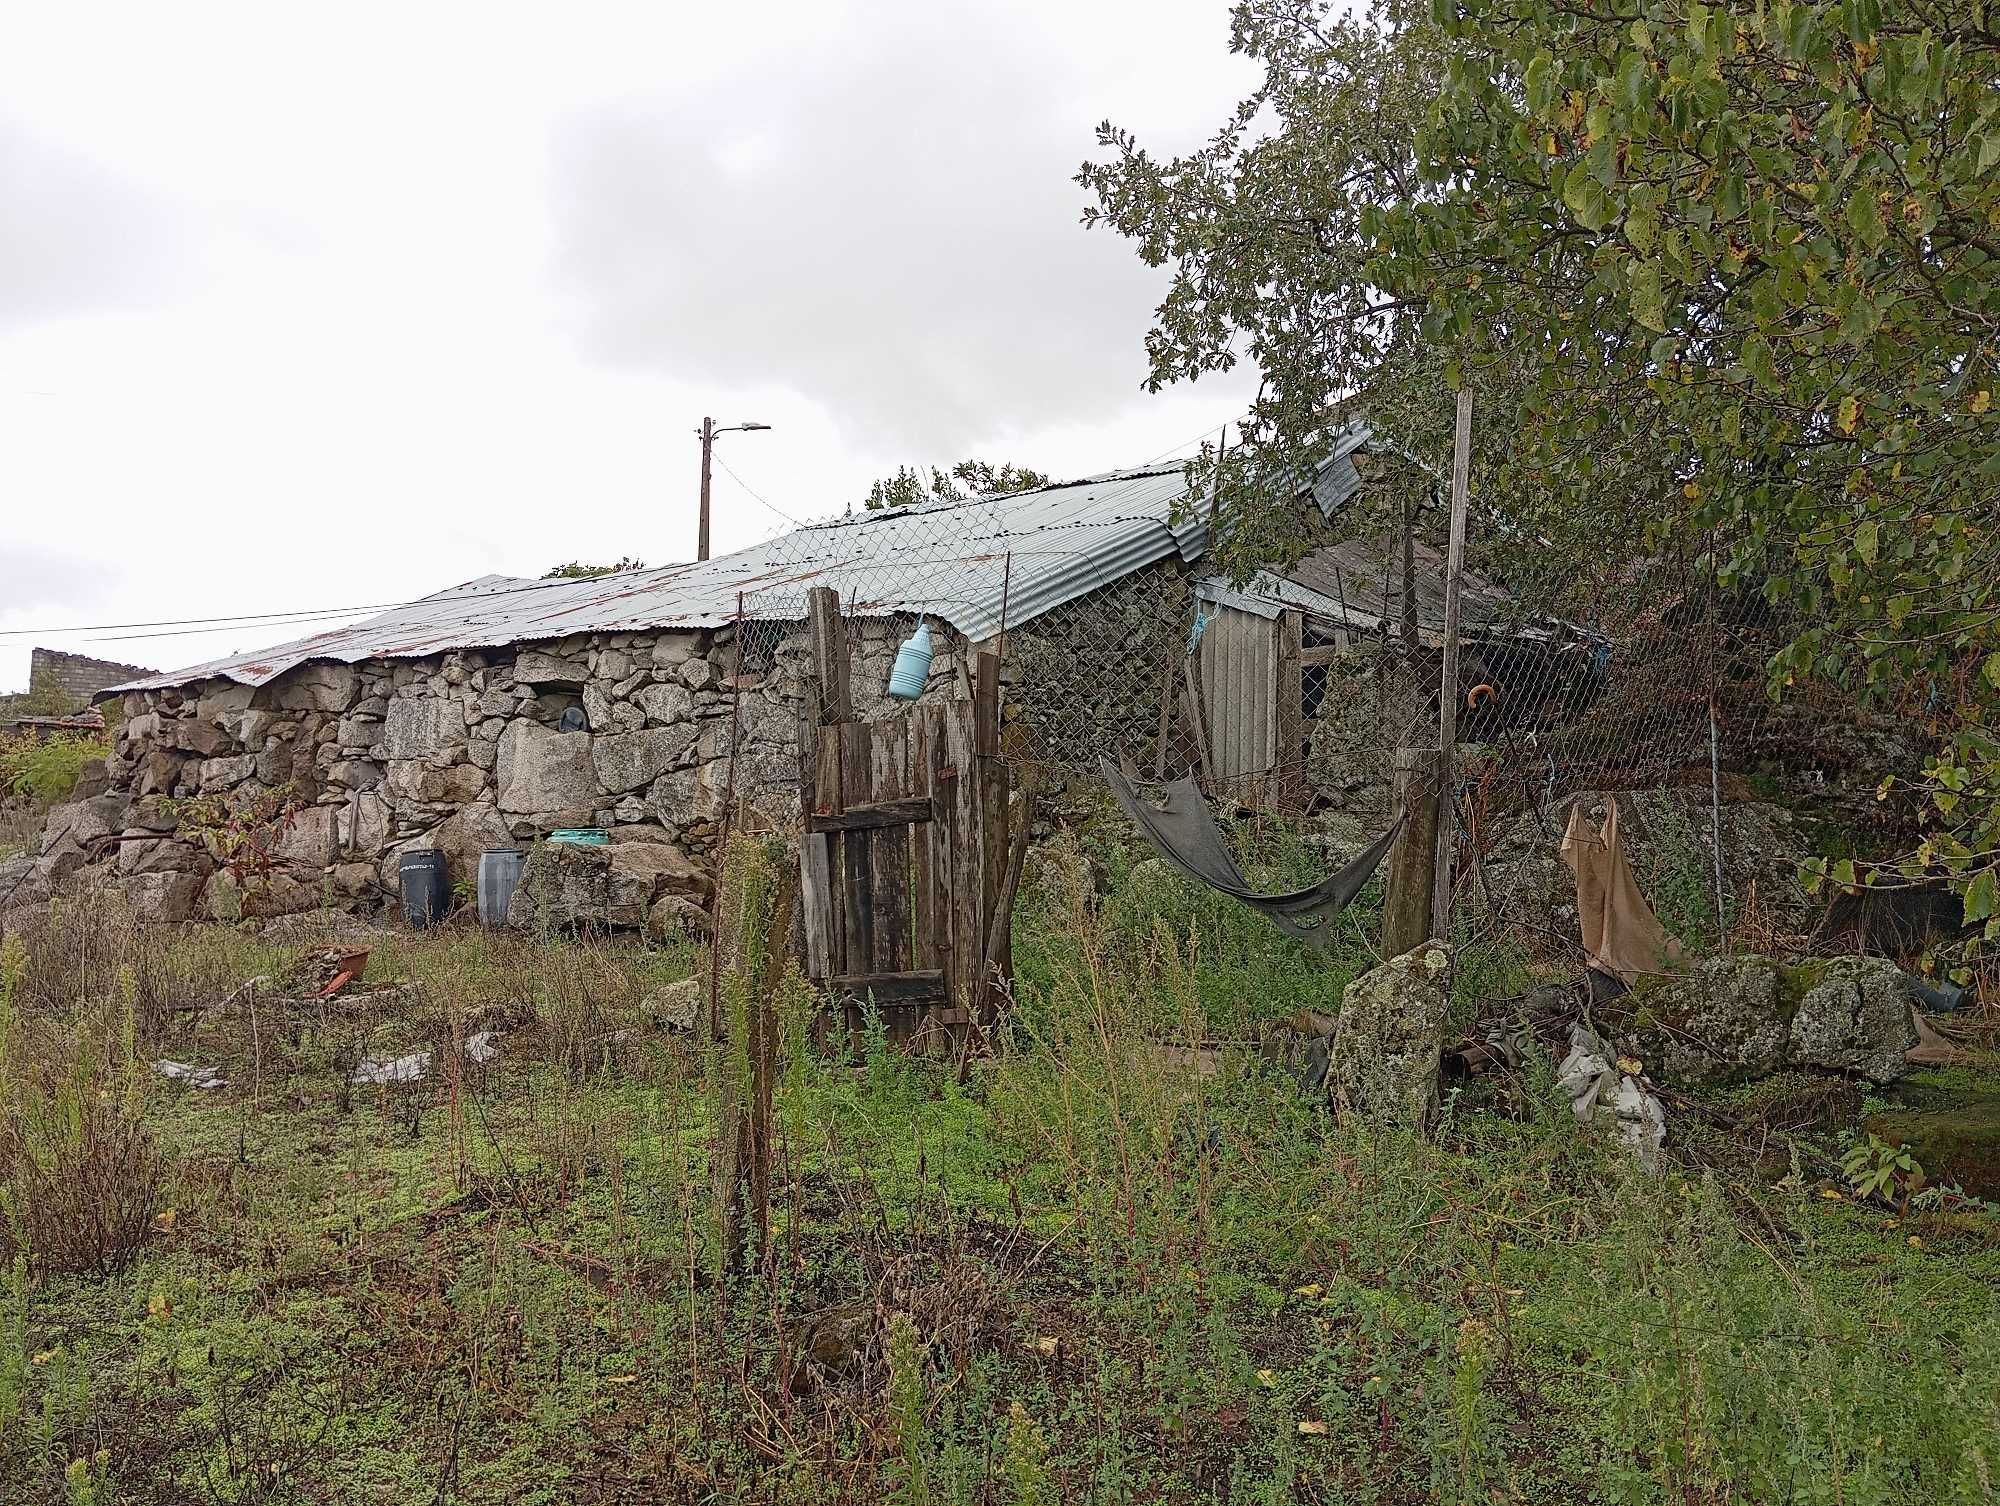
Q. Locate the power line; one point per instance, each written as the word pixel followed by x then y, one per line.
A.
pixel 757 495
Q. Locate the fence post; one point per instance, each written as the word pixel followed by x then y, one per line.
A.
pixel 1461 487
pixel 1406 908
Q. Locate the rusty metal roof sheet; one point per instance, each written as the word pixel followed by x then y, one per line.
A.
pixel 954 561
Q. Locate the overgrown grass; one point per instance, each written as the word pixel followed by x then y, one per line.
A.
pixel 1118 1262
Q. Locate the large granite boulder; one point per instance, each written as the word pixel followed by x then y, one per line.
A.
pixel 632 760
pixel 72 833
pixel 542 770
pixel 318 687
pixel 1734 1019
pixel 466 833
pixel 414 727
pixel 164 897
pixel 1388 1037
pixel 1721 1021
pixel 563 885
pixel 1854 1018
pixel 613 886
pixel 23 882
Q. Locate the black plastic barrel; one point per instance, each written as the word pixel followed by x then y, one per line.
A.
pixel 426 894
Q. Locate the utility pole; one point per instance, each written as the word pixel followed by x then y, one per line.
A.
pixel 708 433
pixel 707 451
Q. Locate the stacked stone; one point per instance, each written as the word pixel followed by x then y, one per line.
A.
pixel 458 751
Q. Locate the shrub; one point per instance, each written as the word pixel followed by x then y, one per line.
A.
pixel 44 771
pixel 79 1177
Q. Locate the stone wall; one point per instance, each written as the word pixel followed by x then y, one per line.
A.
pixel 75 678
pixel 221 800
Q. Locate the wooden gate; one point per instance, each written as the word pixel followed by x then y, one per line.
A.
pixel 907 870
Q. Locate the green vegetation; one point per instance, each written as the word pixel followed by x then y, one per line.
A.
pixel 1723 282
pixel 43 771
pixel 577 570
pixel 1115 1262
pixel 969 478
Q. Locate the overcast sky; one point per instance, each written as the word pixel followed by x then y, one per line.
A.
pixel 307 308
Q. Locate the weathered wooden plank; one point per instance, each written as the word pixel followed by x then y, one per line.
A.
pixel 1322 654
pixel 815 879
pixel 828 632
pixel 998 966
pixel 816 902
pixel 834 901
pixel 993 846
pixel 1288 778
pixel 875 814
pixel 966 876
pixel 924 986
pixel 1448 689
pixel 857 776
pixel 923 908
pixel 889 849
pixel 941 836
pixel 1197 723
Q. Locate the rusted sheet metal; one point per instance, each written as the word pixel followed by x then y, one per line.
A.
pixel 948 561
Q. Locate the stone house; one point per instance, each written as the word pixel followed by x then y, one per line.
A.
pixel 502 710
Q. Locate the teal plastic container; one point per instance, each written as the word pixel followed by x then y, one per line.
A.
pixel 913 665
pixel 581 836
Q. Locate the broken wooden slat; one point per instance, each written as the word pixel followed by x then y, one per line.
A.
pixel 873 814
pixel 923 987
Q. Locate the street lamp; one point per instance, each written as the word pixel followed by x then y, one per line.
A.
pixel 708 431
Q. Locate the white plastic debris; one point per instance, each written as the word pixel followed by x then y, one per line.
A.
pixel 1600 1093
pixel 482 1046
pixel 376 1070
pixel 194 1077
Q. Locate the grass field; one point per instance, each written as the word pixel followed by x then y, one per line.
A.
pixel 1107 1266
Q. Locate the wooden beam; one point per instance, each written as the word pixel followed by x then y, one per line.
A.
pixel 829 654
pixel 923 987
pixel 1406 907
pixel 1461 488
pixel 1322 654
pixel 875 813
pixel 1191 693
pixel 1290 781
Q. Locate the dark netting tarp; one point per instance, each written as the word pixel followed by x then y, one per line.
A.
pixel 1186 834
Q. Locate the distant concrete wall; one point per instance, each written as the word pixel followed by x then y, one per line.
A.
pixel 79 675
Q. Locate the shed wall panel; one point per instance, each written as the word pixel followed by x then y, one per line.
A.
pixel 1239 665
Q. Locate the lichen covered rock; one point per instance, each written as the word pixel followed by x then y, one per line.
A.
pixel 1734 1019
pixel 1388 1037
pixel 1855 1018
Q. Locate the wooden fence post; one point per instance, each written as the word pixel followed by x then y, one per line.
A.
pixel 1461 492
pixel 1406 907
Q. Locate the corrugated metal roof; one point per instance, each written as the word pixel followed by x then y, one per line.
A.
pixel 1358 583
pixel 950 560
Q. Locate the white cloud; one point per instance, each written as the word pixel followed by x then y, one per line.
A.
pixel 298 312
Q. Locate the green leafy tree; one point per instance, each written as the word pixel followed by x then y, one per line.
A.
pixel 1768 238
pixel 1723 280
pixel 969 478
pixel 576 570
